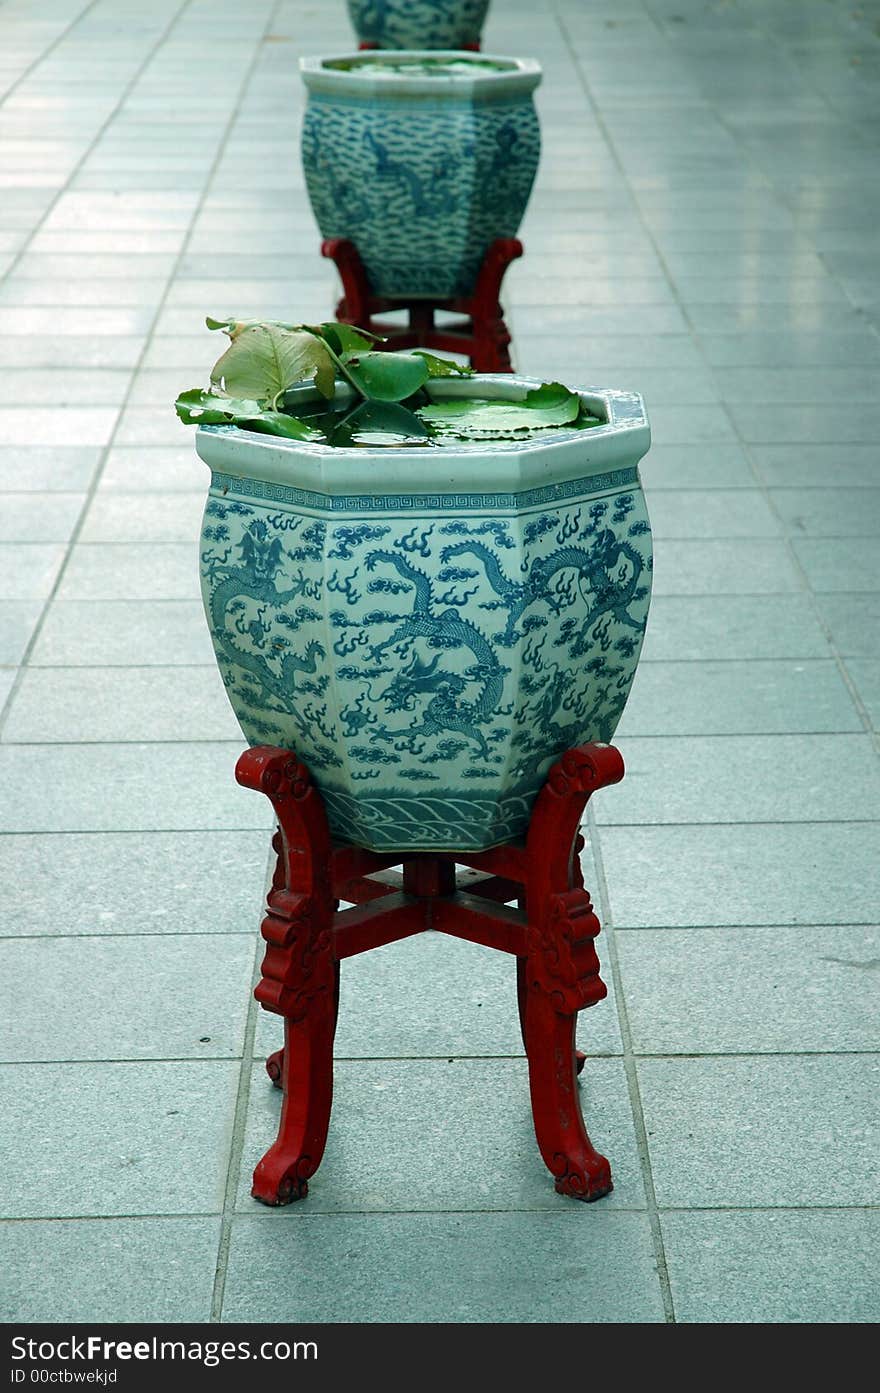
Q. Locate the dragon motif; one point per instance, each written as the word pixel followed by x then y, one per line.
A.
pixel 611 593
pixel 447 710
pixel 254 579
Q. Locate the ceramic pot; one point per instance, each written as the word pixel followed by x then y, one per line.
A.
pixel 418 23
pixel 429 628
pixel 421 169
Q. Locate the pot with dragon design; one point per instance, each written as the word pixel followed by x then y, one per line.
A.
pixel 429 629
pixel 418 23
pixel 421 159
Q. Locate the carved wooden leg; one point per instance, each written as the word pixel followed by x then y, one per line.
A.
pixel 580 1058
pixel 562 969
pixel 307 1081
pixel 299 972
pixel 579 1169
pixel 275 1061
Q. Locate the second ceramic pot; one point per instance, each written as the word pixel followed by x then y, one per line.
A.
pixel 420 158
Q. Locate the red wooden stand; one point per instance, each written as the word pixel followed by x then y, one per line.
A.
pixel 550 934
pixel 482 334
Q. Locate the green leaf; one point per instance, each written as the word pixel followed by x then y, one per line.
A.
pixel 200 408
pixel 263 360
pixel 387 376
pixel 551 404
pixel 345 338
pixel 380 423
pixel 443 367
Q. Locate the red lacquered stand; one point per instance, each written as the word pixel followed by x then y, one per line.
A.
pixel 481 334
pixel 550 934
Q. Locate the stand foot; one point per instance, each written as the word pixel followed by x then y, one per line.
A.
pixel 274 1065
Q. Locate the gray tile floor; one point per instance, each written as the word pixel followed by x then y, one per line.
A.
pixel 703 230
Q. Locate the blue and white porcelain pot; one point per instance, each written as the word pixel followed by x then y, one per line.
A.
pixel 429 628
pixel 418 23
pixel 421 159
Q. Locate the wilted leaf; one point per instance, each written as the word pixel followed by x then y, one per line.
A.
pixel 345 338
pixel 443 367
pixel 263 360
pixel 387 376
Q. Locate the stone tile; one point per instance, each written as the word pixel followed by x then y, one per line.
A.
pixel 83 265
pixel 796 873
pixel 724 567
pixel 163 469
pixel 66 469
pixel 700 779
pixel 459 1268
pixel 690 425
pixel 145 426
pixel 18 291
pixel 26 320
pixel 768 349
pixel 141 996
pixel 865 673
pixel 120 703
pixel 719 466
pixel 767 990
pixel 715 513
pixel 738 698
pixel 833 566
pixel 17 623
pixel 756 318
pixel 759 1266
pixel 142 1138
pixel 109 1271
pixel 87 425
pixel 814 466
pixel 763 290
pixel 28 569
pixel 805 384
pixel 53 518
pixel 127 788
pixel 122 633
pixel 71 350
pixel 687 627
pixel 134 517
pixel 7 679
pixel 781 423
pixel 736 1131
pixel 854 622
pixel 837 512
pixel 451 1134
pixel 68 387
pixel 132 571
pixel 133 883
pixel 641 320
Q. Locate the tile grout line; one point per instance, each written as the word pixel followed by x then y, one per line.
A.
pixel 239 1123
pixel 631 1072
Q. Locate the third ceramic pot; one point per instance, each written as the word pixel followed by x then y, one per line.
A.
pixel 418 23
